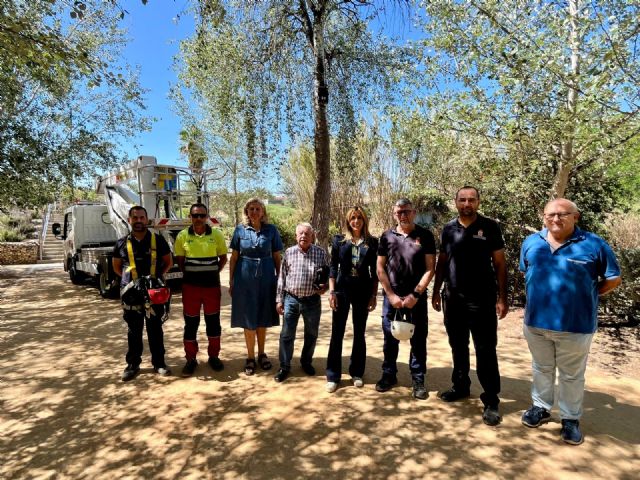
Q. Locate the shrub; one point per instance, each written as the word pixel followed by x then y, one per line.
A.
pixel 285 220
pixel 623 231
pixel 11 235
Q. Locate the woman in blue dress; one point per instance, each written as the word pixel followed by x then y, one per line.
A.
pixel 253 275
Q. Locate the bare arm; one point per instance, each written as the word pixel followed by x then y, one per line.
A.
pixel 436 301
pixel 500 266
pixel 430 261
pixel 180 261
pixel 167 263
pixel 117 266
pixel 232 268
pixel 381 264
pixel 277 260
pixel 222 261
pixel 608 284
pixel 333 299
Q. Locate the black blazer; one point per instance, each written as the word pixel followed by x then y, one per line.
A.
pixel 341 260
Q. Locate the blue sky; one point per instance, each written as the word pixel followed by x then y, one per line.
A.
pixel 154 40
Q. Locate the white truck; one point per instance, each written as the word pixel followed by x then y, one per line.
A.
pixel 90 230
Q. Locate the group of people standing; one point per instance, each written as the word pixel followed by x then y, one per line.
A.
pixel 565 270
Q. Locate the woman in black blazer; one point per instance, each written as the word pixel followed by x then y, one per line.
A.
pixel 352 282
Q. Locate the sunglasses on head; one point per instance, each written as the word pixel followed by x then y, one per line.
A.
pixel 198 215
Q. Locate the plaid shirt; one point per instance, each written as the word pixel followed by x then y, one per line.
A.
pixel 298 271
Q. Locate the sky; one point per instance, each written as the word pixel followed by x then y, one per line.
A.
pixel 154 34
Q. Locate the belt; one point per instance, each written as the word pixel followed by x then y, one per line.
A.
pixel 138 308
pixel 302 299
pixel 257 261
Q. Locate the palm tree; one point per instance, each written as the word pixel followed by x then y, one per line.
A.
pixel 192 141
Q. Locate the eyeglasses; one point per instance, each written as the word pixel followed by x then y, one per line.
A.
pixel 198 215
pixel 399 213
pixel 560 215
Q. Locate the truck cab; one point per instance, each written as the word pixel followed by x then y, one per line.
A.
pixel 89 238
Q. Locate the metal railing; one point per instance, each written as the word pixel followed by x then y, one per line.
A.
pixel 45 226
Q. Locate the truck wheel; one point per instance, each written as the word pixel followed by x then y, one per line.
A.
pixel 76 277
pixel 107 289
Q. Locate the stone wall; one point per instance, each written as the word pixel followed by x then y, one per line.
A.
pixel 15 253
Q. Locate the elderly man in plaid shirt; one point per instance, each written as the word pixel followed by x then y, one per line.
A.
pixel 298 295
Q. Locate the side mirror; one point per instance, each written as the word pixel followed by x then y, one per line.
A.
pixel 56 229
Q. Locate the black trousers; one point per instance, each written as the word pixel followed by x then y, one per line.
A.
pixel 464 316
pixel 358 297
pixel 135 321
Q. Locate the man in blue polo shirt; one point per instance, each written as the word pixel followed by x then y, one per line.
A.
pixel 566 269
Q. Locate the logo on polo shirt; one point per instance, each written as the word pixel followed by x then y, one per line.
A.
pixel 480 235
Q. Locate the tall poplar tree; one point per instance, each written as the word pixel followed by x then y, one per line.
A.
pixel 555 84
pixel 307 65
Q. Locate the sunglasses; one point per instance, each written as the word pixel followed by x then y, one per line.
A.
pixel 198 215
pixel 403 212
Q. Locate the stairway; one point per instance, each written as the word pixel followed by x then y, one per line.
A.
pixel 53 247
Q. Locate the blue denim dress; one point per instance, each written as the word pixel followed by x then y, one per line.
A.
pixel 253 303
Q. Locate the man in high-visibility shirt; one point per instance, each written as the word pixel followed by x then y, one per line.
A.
pixel 201 253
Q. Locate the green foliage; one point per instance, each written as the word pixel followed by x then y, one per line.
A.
pixel 271 69
pixel 285 219
pixel 535 81
pixel 624 301
pixel 623 233
pixel 16 227
pixel 11 235
pixel 63 103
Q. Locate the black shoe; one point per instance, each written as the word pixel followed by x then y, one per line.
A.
pixel 281 376
pixel 453 395
pixel 491 416
pixel 419 391
pixel 535 416
pixel 386 383
pixel 189 368
pixel 164 371
pixel 130 372
pixel 308 369
pixel 571 433
pixel 216 364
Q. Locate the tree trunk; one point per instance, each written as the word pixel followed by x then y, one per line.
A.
pixel 236 207
pixel 322 193
pixel 567 159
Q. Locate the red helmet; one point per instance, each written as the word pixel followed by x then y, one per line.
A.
pixel 159 296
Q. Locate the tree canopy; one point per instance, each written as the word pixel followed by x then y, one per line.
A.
pixel 65 96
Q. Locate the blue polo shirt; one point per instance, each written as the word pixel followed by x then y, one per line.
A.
pixel 562 286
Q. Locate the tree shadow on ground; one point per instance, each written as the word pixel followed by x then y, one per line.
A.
pixel 65 413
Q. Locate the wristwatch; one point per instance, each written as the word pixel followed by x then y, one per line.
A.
pixel 416 294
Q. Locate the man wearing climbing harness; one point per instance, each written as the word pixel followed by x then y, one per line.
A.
pixel 201 253
pixel 139 254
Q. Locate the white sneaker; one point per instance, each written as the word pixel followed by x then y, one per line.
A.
pixel 331 387
pixel 358 382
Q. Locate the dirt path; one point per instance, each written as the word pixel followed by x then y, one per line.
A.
pixel 64 413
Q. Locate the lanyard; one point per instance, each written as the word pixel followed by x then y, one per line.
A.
pixel 132 261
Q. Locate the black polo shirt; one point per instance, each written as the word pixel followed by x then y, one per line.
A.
pixel 141 254
pixel 469 268
pixel 405 257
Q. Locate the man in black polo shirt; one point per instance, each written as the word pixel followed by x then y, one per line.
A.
pixel 471 260
pixel 406 261
pixel 140 240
